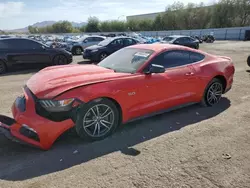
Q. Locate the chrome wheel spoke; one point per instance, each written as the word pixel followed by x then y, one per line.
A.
pixel 214 93
pixel 107 112
pixel 104 123
pixel 98 120
pixel 92 110
pixel 89 125
pixel 96 125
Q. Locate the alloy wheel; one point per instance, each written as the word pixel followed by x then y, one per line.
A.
pixel 61 60
pixel 78 51
pixel 103 56
pixel 98 120
pixel 214 93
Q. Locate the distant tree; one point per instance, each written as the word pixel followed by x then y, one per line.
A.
pixel 92 25
pixel 145 25
pixel 157 24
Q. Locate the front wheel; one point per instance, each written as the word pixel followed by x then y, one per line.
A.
pixel 248 61
pixel 3 68
pixel 213 93
pixel 60 60
pixel 102 56
pixel 97 119
pixel 77 50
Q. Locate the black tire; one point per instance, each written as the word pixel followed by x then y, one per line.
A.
pixel 60 60
pixel 3 68
pixel 88 123
pixel 77 50
pixel 248 61
pixel 102 56
pixel 206 99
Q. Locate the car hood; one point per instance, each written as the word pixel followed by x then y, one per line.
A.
pixel 52 81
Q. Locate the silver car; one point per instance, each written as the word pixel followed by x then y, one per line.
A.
pixel 77 47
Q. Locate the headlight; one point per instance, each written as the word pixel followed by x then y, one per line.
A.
pixel 94 50
pixel 57 105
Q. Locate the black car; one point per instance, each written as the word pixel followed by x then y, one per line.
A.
pixel 182 40
pixel 106 47
pixel 20 52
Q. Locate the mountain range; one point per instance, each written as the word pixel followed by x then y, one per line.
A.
pixel 44 24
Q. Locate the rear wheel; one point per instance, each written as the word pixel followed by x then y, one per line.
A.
pixel 77 50
pixel 97 119
pixel 248 61
pixel 213 93
pixel 60 60
pixel 3 68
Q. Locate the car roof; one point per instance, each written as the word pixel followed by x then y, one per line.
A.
pixel 95 36
pixel 157 47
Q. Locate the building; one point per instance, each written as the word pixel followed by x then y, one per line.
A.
pixel 150 16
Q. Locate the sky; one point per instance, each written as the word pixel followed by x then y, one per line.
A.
pixel 21 13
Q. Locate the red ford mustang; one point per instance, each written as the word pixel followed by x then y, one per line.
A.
pixel 133 82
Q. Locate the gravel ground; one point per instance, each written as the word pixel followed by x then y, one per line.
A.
pixel 191 147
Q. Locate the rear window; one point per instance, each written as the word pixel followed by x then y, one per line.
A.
pixel 168 38
pixel 195 57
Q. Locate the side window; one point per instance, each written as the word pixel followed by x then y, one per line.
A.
pixel 176 58
pixel 27 44
pixel 180 40
pixel 172 59
pixel 186 39
pixel 98 39
pixel 117 42
pixel 19 44
pixel 128 42
pixel 90 39
pixel 195 57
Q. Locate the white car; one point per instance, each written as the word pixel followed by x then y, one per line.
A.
pixel 77 47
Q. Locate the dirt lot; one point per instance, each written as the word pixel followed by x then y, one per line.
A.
pixel 191 147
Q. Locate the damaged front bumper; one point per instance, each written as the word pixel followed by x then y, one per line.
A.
pixel 27 127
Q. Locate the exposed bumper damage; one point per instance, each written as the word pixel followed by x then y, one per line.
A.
pixel 27 127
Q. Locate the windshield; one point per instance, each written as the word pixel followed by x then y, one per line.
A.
pixel 168 38
pixel 105 42
pixel 126 60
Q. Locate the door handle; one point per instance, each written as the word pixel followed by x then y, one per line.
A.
pixel 189 74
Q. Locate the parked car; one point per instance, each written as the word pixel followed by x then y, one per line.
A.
pixel 134 82
pixel 19 52
pixel 77 47
pixel 248 61
pixel 208 38
pixel 181 40
pixel 107 47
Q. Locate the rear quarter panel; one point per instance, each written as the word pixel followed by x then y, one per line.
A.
pixel 211 67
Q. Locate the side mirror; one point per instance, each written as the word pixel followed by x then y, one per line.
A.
pixel 176 42
pixel 85 41
pixel 155 69
pixel 43 47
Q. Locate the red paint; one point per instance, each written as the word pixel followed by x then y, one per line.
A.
pixel 152 92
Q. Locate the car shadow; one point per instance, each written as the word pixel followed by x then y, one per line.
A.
pixel 19 162
pixel 248 71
